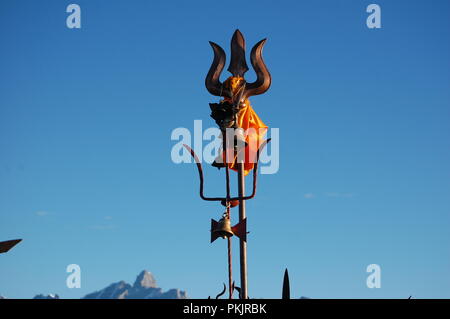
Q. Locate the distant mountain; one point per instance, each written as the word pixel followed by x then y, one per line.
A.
pixel 143 288
pixel 50 296
pixel 41 296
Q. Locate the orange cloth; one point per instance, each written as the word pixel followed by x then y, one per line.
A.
pixel 254 127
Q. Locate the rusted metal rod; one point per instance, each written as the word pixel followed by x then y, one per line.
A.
pixel 230 269
pixel 227 203
pixel 243 243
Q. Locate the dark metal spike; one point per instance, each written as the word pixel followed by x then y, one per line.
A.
pixel 238 65
pixel 214 235
pixel 238 289
pixel 286 294
pixel 222 292
pixel 240 230
pixel 5 246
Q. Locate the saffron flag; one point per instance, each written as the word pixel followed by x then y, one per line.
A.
pixel 253 127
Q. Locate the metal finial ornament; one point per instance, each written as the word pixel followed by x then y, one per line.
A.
pixel 235 92
pixel 238 67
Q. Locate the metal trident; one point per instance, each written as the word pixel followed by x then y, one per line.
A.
pixel 225 115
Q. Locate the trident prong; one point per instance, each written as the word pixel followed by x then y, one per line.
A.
pixel 237 198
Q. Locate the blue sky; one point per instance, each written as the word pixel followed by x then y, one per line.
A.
pixel 86 175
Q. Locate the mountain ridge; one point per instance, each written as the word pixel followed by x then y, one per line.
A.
pixel 144 287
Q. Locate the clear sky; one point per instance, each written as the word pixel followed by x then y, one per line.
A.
pixel 86 175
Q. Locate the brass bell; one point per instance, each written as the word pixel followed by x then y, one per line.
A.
pixel 223 229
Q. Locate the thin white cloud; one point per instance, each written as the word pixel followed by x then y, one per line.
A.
pixel 309 195
pixel 41 213
pixel 332 194
pixel 102 227
pixel 106 224
pixel 340 195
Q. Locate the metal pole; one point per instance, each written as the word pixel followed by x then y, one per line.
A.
pixel 230 269
pixel 227 174
pixel 242 243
